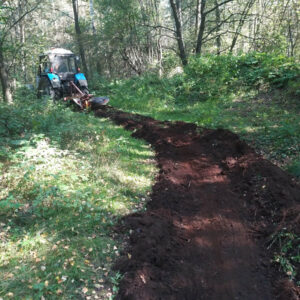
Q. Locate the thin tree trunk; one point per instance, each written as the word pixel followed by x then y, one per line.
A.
pixel 197 18
pixel 179 35
pixel 159 55
pixel 4 79
pixel 218 20
pixel 241 23
pixel 92 14
pixel 79 37
pixel 22 41
pixel 202 27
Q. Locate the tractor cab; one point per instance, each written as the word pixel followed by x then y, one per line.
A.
pixel 58 72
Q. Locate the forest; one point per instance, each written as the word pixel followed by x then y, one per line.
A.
pixel 186 185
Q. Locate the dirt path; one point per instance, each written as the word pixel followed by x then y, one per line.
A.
pixel 205 232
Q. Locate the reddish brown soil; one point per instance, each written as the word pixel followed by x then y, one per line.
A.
pixel 213 209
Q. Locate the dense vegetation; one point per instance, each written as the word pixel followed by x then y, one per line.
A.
pixel 254 95
pixel 66 178
pixel 121 38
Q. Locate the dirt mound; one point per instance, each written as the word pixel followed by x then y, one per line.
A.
pixel 212 210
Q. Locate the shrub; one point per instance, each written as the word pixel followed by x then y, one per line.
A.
pixel 211 76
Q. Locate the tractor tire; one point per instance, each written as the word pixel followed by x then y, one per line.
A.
pixel 50 92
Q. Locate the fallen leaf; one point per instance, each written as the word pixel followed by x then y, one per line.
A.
pixel 59 292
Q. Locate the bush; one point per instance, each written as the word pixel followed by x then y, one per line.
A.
pixel 211 76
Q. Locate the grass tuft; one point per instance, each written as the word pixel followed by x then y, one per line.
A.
pixel 66 179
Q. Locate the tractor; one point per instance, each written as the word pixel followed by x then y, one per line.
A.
pixel 59 77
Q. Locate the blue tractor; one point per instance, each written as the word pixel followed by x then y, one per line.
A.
pixel 59 77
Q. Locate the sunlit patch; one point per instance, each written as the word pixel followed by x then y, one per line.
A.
pixel 62 190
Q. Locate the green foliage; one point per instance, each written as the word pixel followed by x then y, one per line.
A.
pixel 170 61
pixel 288 255
pixel 268 120
pixel 294 168
pixel 215 76
pixel 274 70
pixel 65 180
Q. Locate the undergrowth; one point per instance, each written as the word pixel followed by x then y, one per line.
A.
pixel 66 178
pixel 287 255
pixel 254 95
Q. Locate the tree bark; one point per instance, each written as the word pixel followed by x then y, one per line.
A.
pixel 241 23
pixel 4 79
pixel 218 20
pixel 79 37
pixel 202 27
pixel 92 15
pixel 22 40
pixel 197 18
pixel 179 35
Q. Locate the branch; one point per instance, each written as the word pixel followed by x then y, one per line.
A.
pixel 216 27
pixel 249 37
pixel 214 8
pixel 21 18
pixel 215 36
pixel 64 13
pixel 158 26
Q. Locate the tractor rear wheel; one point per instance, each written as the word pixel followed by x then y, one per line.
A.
pixel 49 91
pixel 46 90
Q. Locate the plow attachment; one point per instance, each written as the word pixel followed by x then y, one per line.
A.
pixel 86 101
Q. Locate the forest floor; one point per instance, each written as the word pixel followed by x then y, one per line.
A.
pixel 212 225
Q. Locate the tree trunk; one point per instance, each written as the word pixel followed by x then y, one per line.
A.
pixel 218 20
pixel 4 79
pixel 79 37
pixel 197 18
pixel 92 15
pixel 22 41
pixel 202 27
pixel 241 23
pixel 179 35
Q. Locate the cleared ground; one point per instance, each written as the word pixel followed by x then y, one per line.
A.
pixel 207 232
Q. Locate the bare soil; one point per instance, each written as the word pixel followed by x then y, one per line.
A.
pixel 213 209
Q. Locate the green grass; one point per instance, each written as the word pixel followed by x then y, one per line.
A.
pixel 255 96
pixel 287 255
pixel 66 179
pixel 269 121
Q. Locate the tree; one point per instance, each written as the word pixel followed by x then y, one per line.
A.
pixel 79 36
pixel 176 10
pixel 8 12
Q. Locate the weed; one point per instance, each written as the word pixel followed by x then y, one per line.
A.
pixel 288 254
pixel 66 178
pixel 222 91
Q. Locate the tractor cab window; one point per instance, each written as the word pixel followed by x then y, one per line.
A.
pixel 63 64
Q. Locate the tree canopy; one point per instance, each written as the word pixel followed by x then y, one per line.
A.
pixel 119 38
